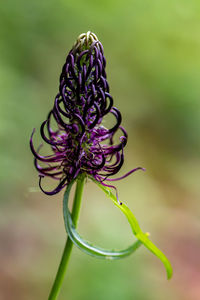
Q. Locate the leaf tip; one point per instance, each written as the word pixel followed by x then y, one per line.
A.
pixel 169 272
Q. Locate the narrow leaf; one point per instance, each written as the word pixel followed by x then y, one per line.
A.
pixel 86 246
pixel 142 237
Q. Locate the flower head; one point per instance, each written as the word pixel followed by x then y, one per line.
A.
pixel 79 142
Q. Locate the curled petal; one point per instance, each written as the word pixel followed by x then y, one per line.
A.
pixel 108 96
pixel 47 140
pixel 97 117
pixel 96 165
pixel 47 171
pixel 118 116
pixel 127 174
pixel 80 57
pixel 48 158
pixel 61 185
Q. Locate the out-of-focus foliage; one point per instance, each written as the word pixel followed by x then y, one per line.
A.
pixel 153 66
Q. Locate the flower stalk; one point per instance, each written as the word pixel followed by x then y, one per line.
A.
pixel 69 244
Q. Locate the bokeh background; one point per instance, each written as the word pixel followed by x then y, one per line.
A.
pixel 153 66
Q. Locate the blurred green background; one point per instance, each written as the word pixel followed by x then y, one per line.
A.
pixel 153 65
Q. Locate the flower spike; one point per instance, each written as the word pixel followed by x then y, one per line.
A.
pixel 80 143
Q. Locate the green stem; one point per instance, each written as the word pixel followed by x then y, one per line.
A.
pixel 69 244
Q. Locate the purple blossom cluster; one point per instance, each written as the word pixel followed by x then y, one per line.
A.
pixel 79 141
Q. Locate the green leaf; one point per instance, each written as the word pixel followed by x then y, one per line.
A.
pixel 142 237
pixel 83 244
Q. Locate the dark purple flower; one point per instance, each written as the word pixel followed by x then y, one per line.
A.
pixel 74 129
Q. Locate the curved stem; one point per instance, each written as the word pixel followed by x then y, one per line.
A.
pixel 69 244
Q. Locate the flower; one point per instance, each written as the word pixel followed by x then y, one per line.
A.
pixel 80 143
